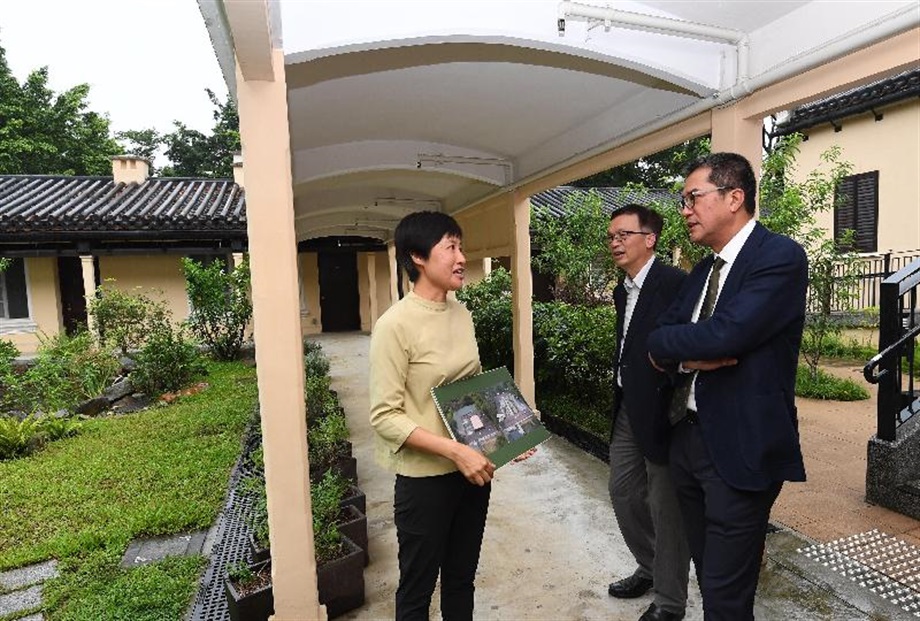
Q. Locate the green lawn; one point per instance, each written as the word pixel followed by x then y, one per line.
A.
pixel 83 499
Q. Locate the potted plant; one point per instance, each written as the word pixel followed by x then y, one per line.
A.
pixel 328 497
pixel 249 591
pixel 329 448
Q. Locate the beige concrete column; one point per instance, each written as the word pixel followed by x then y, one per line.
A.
pixel 279 358
pixel 486 266
pixel 731 131
pixel 373 307
pixel 89 287
pixel 237 259
pixel 394 272
pixel 521 298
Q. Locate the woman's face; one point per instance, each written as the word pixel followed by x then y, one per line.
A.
pixel 445 266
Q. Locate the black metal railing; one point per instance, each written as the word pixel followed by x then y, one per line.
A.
pixel 872 270
pixel 894 368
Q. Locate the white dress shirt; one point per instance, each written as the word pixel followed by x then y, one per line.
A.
pixel 633 288
pixel 728 254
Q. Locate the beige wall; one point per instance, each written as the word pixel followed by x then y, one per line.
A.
pixel 44 304
pixel 311 317
pixel 370 313
pixel 488 230
pixel 890 146
pixel 158 277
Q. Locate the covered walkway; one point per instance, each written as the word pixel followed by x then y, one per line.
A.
pixel 552 544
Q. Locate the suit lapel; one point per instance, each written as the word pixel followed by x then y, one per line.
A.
pixel 646 295
pixel 740 266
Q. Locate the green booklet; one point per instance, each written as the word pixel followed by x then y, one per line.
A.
pixel 488 413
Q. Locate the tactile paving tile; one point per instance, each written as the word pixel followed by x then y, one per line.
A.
pixel 880 562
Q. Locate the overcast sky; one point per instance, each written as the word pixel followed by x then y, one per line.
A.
pixel 147 61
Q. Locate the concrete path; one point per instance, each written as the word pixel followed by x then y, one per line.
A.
pixel 552 544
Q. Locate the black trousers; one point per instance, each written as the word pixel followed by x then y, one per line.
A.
pixel 439 525
pixel 725 527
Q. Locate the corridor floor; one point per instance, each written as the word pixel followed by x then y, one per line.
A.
pixel 552 543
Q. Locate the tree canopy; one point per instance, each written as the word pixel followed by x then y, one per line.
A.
pixel 659 170
pixel 43 132
pixel 192 153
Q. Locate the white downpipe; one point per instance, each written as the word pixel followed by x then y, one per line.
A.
pixel 867 34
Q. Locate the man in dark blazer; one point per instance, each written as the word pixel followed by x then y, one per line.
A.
pixel 731 340
pixel 641 490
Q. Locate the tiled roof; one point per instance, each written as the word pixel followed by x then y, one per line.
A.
pixel 38 204
pixel 612 198
pixel 856 101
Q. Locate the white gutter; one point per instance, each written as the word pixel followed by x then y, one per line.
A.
pixel 872 32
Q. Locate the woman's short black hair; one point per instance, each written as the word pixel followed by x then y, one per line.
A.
pixel 418 233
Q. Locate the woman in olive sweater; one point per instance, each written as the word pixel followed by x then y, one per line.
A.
pixel 442 486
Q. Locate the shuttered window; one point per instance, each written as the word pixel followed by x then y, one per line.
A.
pixel 14 301
pixel 856 209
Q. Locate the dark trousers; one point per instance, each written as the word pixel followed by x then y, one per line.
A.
pixel 439 526
pixel 725 527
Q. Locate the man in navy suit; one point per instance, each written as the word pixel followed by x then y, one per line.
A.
pixel 641 490
pixel 731 341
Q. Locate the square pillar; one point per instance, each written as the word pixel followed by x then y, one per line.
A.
pixel 731 131
pixel 87 262
pixel 522 298
pixel 265 135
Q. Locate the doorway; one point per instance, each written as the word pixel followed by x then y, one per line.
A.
pixel 338 291
pixel 73 302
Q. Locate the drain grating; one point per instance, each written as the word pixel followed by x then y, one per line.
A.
pixel 230 545
pixel 880 562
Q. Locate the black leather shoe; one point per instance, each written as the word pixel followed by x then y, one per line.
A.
pixel 628 588
pixel 654 613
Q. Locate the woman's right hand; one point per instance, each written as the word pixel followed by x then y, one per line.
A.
pixel 476 467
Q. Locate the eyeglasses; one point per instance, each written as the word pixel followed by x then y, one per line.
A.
pixel 688 200
pixel 621 236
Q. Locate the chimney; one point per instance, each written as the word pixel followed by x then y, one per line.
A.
pixel 130 169
pixel 238 168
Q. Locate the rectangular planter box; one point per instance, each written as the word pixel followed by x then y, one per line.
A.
pixel 341 582
pixel 355 528
pixel 356 498
pixel 257 553
pixel 255 606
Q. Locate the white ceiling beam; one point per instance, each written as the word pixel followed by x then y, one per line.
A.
pixel 251 32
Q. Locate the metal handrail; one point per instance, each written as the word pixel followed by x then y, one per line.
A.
pixel 876 360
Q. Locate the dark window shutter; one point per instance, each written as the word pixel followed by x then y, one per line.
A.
pixel 867 212
pixel 845 207
pixel 16 295
pixel 856 209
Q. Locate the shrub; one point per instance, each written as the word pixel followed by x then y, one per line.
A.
pixel 835 347
pixel 221 307
pixel 315 361
pixel 574 348
pixel 257 517
pixel 325 498
pixel 124 319
pixel 575 410
pixel 169 360
pixel 18 438
pixel 55 428
pixel 489 301
pixel 8 353
pixel 823 385
pixel 319 398
pixel 326 441
pixel 68 369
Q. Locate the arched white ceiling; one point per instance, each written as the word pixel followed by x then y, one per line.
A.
pixel 438 104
